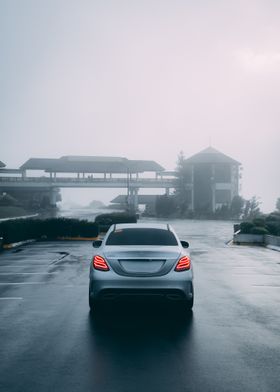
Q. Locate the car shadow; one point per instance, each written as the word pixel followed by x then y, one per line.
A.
pixel 127 340
pixel 142 318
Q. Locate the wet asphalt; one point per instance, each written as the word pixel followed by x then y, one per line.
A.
pixel 50 342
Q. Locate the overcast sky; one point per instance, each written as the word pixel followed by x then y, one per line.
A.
pixel 143 79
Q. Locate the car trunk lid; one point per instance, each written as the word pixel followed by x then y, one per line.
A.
pixel 132 261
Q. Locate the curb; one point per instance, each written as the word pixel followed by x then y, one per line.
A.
pixel 16 244
pixel 270 247
pixel 75 239
pixel 273 247
pixel 18 217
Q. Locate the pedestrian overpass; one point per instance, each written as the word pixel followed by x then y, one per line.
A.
pixel 49 175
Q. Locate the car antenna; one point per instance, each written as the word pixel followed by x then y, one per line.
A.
pixel 168 227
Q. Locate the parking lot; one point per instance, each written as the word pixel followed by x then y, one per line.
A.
pixel 49 341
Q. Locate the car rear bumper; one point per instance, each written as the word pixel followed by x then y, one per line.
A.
pixel 137 288
pixel 151 295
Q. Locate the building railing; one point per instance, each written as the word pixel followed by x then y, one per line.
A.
pixel 71 179
pixel 51 180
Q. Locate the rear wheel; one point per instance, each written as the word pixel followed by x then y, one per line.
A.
pixel 188 303
pixel 91 302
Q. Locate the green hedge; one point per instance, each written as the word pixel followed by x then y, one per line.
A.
pixel 267 224
pixel 24 229
pixel 104 221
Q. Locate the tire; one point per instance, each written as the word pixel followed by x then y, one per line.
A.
pixel 91 302
pixel 188 303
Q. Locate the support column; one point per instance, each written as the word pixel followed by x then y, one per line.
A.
pixel 135 199
pixel 53 193
pixel 132 200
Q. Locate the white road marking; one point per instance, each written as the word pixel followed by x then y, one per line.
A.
pixel 28 273
pixel 38 265
pixel 28 283
pixel 12 298
pixel 269 286
pixel 25 265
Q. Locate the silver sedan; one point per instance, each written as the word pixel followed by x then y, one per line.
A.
pixel 145 261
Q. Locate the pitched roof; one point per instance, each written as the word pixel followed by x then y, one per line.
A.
pixel 38 164
pixel 91 164
pixel 10 171
pixel 211 155
pixel 144 166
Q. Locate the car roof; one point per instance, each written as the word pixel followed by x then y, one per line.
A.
pixel 162 226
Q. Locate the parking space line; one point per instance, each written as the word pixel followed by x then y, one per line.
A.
pixel 269 286
pixel 29 273
pixel 25 265
pixel 21 283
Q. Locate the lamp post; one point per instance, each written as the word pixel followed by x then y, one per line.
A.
pixel 128 191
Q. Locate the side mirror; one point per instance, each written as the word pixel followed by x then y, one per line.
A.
pixel 185 244
pixel 97 243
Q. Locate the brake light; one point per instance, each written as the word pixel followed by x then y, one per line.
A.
pixel 99 263
pixel 183 264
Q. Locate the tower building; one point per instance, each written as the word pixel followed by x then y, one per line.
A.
pixel 212 180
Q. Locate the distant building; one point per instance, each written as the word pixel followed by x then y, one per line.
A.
pixel 212 180
pixel 149 201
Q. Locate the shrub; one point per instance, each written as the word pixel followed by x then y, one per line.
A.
pixel 165 206
pixel 104 221
pixel 273 228
pixel 260 222
pixel 24 229
pixel 274 216
pixel 246 227
pixel 266 224
pixel 259 230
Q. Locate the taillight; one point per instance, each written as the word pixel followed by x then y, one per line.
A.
pixel 99 263
pixel 183 264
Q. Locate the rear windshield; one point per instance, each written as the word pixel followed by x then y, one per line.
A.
pixel 141 237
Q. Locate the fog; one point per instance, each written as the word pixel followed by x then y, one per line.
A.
pixel 143 80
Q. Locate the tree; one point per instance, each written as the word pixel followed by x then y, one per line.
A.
pixel 165 206
pixel 278 204
pixel 236 207
pixel 223 212
pixel 183 177
pixel 252 208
